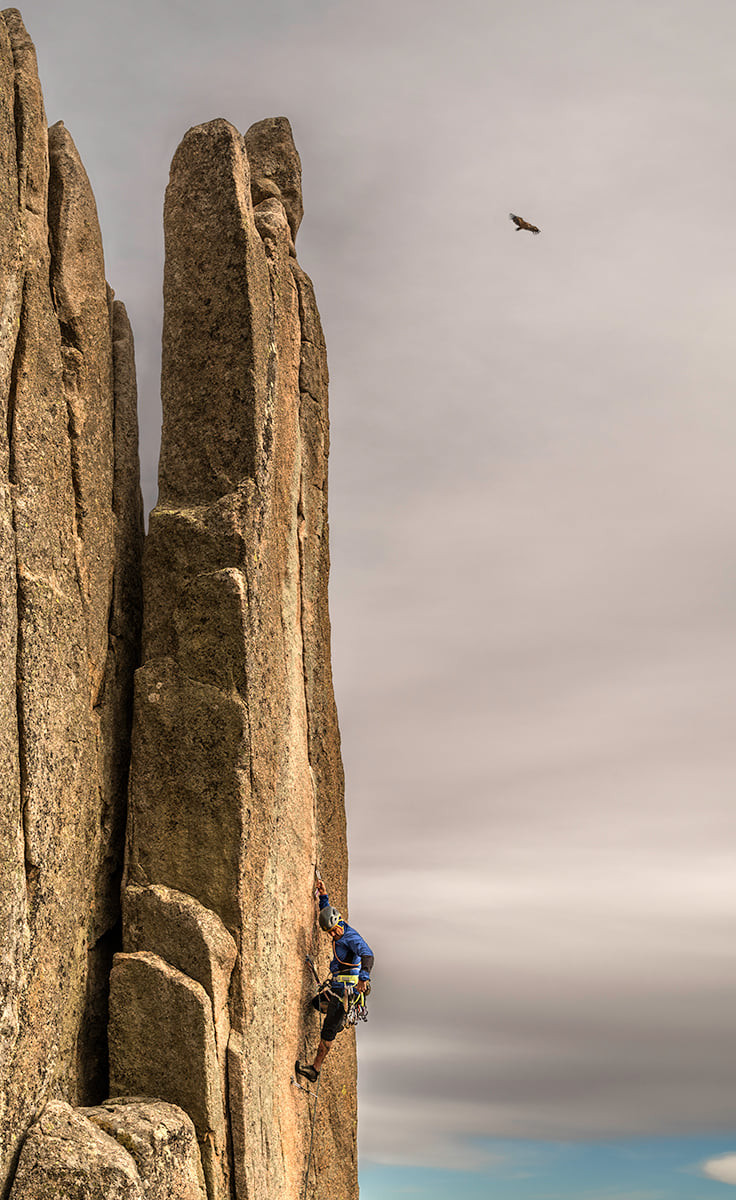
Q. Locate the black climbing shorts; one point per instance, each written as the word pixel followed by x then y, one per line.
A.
pixel 334 1020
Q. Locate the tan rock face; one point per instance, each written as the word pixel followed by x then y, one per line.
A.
pixel 236 780
pixel 275 168
pixel 129 1150
pixel 70 544
pixel 162 1142
pixel 210 368
pixel 67 1156
pixel 162 1043
pixel 190 937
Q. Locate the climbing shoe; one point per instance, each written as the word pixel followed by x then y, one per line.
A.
pixel 307 1071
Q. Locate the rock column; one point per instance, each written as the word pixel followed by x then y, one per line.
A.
pixel 236 780
pixel 70 541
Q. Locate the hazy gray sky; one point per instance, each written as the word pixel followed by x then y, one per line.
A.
pixel 533 504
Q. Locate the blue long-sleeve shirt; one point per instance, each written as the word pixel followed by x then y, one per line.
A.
pixel 349 952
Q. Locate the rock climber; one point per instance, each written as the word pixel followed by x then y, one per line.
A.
pixel 350 968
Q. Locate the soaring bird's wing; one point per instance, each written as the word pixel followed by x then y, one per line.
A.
pixel 520 223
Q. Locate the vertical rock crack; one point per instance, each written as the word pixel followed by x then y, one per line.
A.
pixel 31 868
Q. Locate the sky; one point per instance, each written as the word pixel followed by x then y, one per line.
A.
pixel 533 532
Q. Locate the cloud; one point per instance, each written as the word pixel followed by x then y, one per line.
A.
pixel 722 1168
pixel 537 720
pixel 563 902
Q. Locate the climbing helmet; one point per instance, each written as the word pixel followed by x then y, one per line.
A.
pixel 328 917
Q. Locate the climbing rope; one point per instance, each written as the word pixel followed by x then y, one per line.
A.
pixel 311 1136
pixel 315 1094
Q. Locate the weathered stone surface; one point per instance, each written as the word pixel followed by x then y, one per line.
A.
pixel 189 937
pixel 67 1157
pixel 182 544
pixel 324 733
pixel 271 220
pixel 162 1044
pixel 79 295
pixel 236 781
pixel 124 1150
pixel 191 753
pixel 64 693
pixel 51 652
pixel 275 167
pixel 161 1140
pixel 236 787
pixel 30 120
pixel 220 349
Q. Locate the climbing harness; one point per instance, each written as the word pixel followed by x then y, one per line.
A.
pixel 355 1008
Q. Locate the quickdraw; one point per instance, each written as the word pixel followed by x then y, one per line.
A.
pixel 308 959
pixel 357 1009
pixel 293 1079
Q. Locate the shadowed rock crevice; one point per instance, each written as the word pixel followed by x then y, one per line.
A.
pixel 18 125
pixel 30 867
pixel 18 354
pixel 92 1051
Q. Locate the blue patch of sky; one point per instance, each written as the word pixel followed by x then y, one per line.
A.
pixel 631 1169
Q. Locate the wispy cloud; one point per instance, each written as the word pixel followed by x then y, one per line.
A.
pixel 722 1168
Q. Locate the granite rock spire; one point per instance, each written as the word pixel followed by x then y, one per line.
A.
pixel 169 750
pixel 70 542
pixel 236 780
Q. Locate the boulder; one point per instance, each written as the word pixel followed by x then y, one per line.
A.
pixel 68 1157
pixel 162 1045
pixel 122 1150
pixel 161 1140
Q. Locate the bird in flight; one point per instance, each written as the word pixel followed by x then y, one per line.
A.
pixel 520 223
